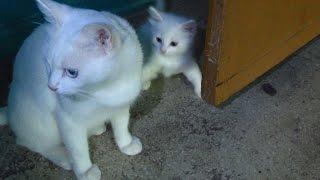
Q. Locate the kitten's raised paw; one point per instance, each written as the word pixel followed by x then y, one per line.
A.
pixel 135 147
pixel 93 173
pixel 146 85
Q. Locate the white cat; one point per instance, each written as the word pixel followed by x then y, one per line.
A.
pixel 167 40
pixel 71 76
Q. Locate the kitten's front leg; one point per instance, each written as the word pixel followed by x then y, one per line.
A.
pixel 193 74
pixel 127 143
pixel 150 72
pixel 75 138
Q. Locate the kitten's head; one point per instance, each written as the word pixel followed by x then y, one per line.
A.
pixel 81 49
pixel 171 35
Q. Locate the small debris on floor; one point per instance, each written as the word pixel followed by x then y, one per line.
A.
pixel 269 89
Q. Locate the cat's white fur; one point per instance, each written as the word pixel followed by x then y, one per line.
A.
pixel 162 57
pixel 106 52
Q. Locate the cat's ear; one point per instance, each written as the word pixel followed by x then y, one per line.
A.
pixel 155 16
pixel 99 35
pixel 54 12
pixel 190 26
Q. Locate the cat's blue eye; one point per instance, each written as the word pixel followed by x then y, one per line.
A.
pixel 173 44
pixel 159 40
pixel 72 73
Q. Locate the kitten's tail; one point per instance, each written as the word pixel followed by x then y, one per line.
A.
pixel 3 116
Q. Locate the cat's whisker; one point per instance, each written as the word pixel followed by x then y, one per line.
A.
pixel 88 95
pixel 85 93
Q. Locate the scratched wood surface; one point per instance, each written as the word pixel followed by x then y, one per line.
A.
pixel 247 38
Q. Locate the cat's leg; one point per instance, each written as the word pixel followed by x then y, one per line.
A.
pixel 75 139
pixel 58 155
pixel 127 143
pixel 193 74
pixel 168 71
pixel 150 72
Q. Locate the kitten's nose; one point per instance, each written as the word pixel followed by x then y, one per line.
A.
pixel 54 89
pixel 163 50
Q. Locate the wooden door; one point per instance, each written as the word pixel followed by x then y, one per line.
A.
pixel 246 38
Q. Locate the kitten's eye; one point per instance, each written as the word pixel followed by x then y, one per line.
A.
pixel 72 73
pixel 173 44
pixel 159 40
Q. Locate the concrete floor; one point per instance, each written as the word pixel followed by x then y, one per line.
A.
pixel 253 136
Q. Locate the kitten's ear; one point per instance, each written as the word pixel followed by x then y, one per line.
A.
pixel 155 16
pixel 54 12
pixel 99 35
pixel 190 26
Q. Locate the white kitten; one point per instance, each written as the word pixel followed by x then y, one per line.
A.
pixel 170 38
pixel 70 77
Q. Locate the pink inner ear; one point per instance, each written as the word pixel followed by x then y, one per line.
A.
pixel 103 36
pixel 190 26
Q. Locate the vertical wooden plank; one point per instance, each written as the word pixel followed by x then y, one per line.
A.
pixel 212 50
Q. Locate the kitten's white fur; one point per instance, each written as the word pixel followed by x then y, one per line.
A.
pixel 105 50
pixel 163 58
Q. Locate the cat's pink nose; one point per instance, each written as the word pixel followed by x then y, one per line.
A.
pixel 54 89
pixel 163 50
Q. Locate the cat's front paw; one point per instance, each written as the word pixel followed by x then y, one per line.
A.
pixel 135 147
pixel 146 85
pixel 93 173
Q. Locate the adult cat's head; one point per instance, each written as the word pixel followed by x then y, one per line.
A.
pixel 81 49
pixel 171 34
